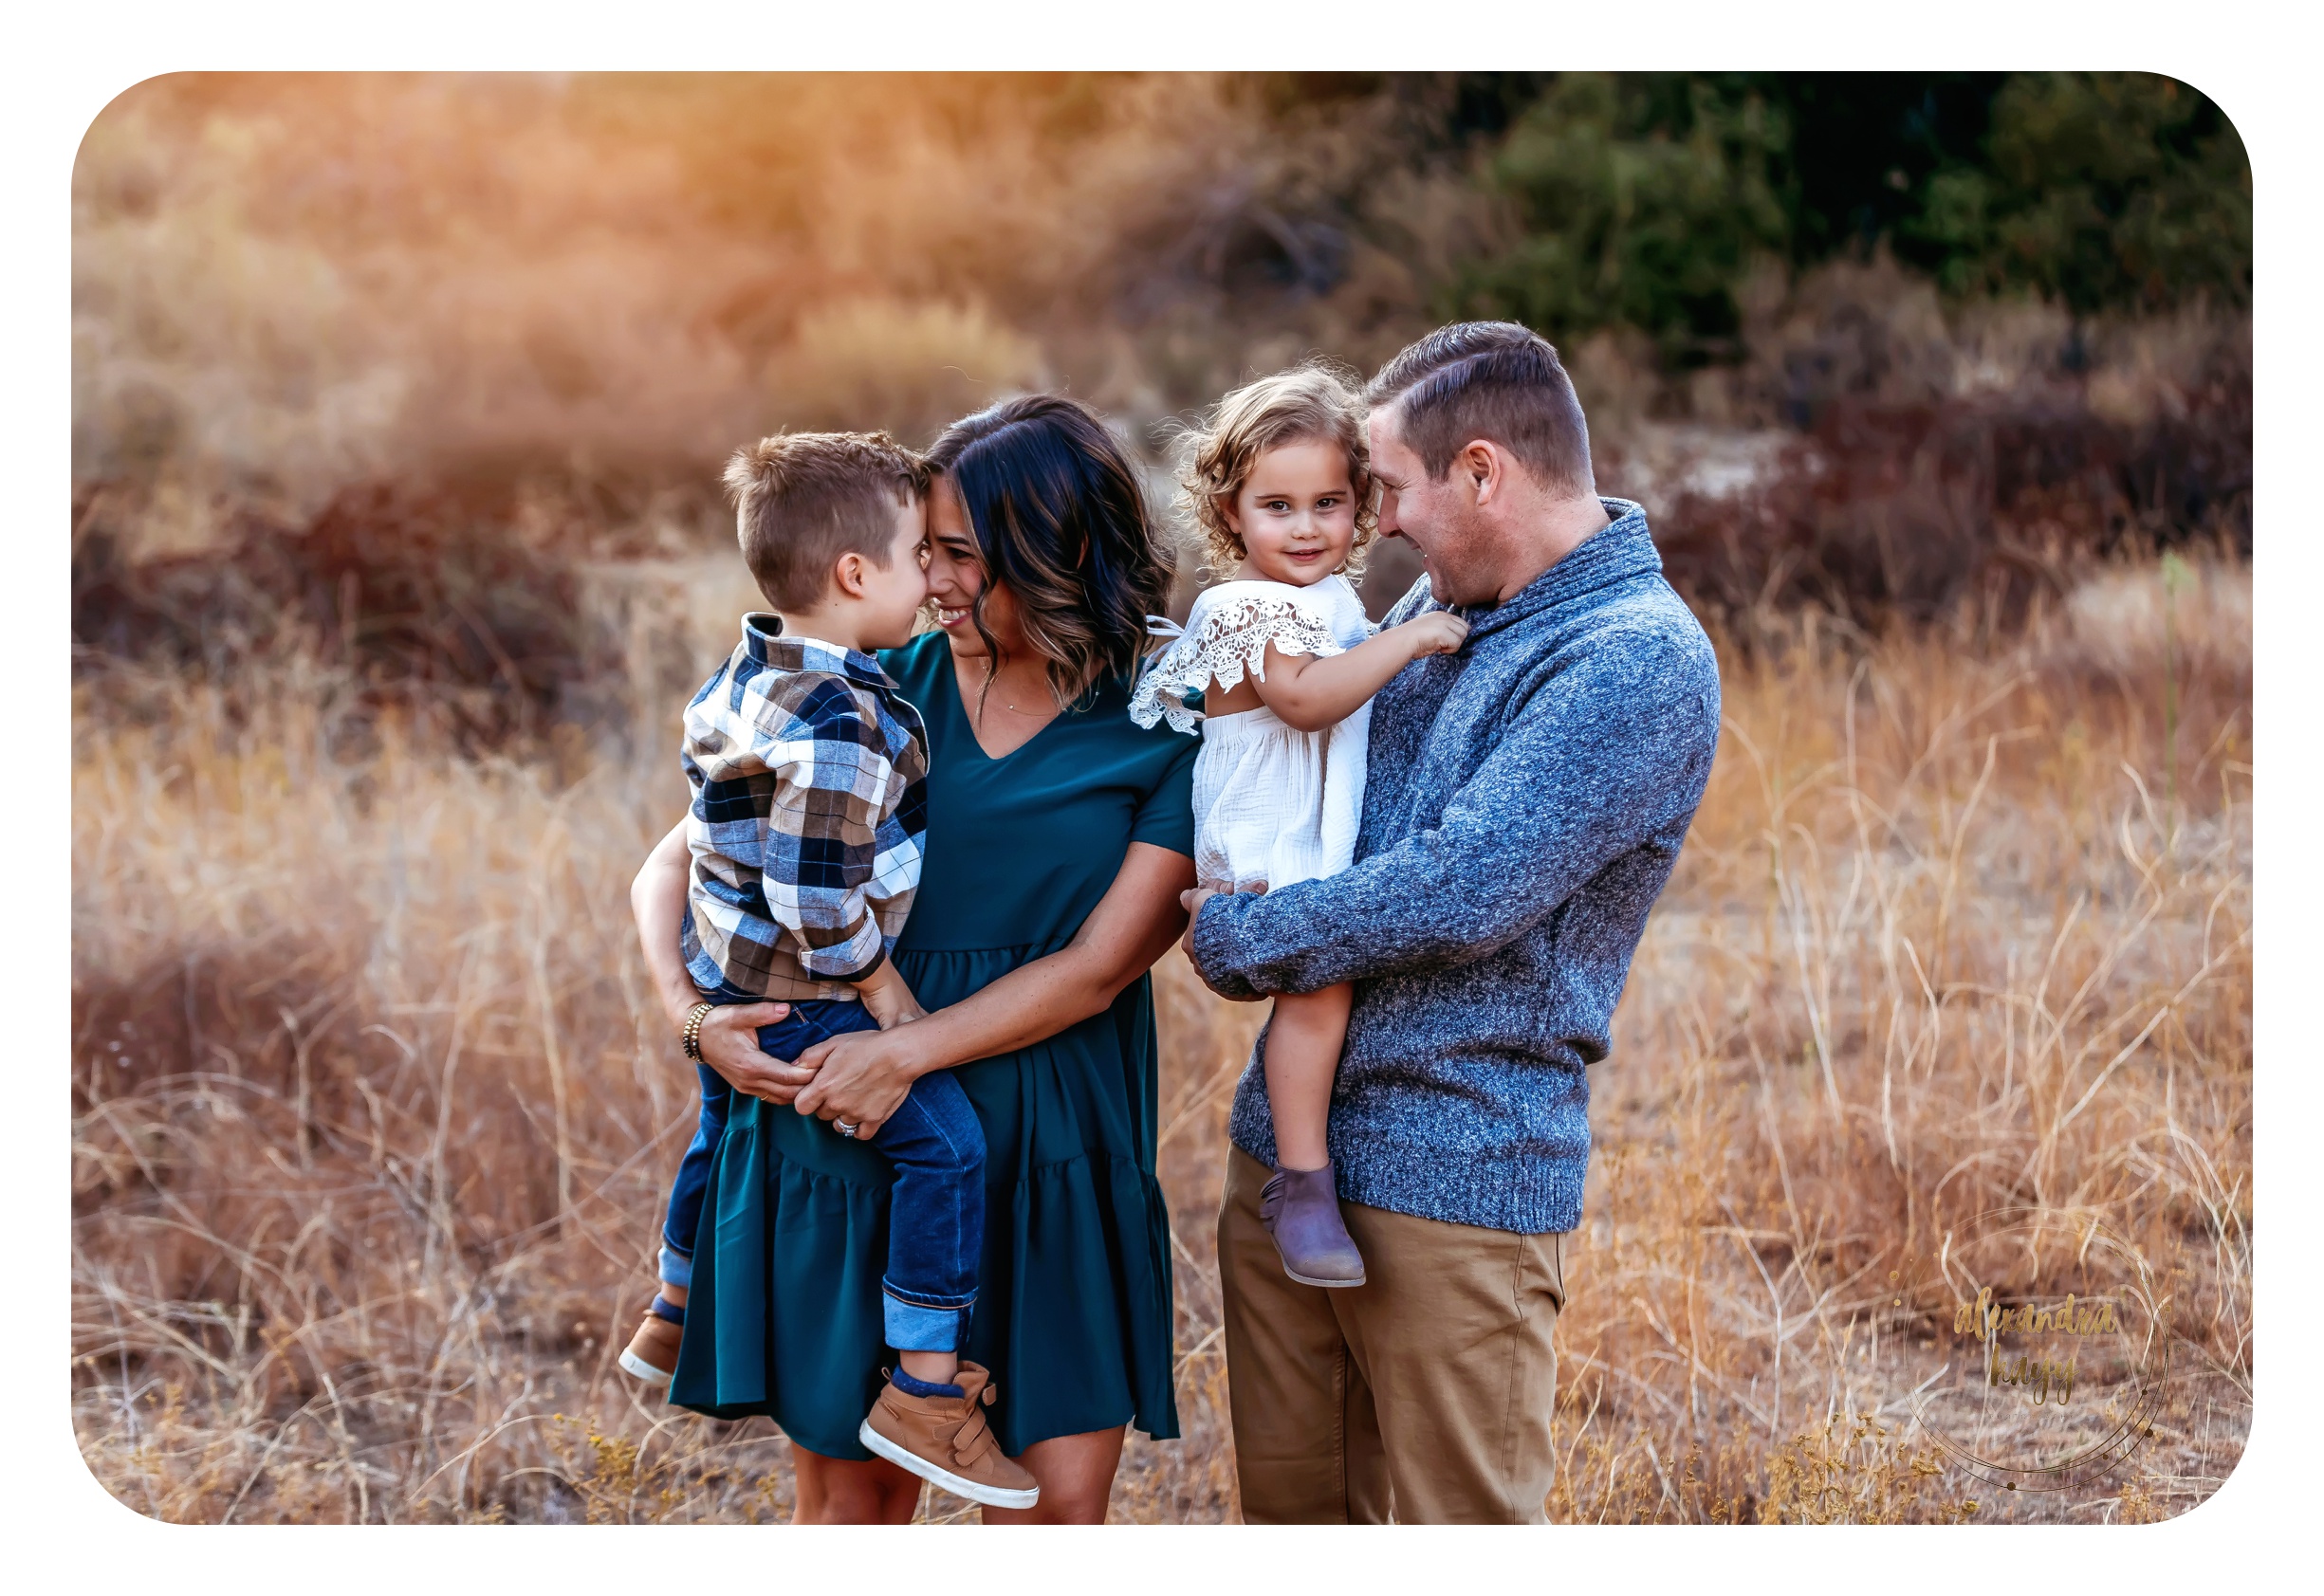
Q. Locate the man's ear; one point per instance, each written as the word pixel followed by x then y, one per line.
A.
pixel 1486 469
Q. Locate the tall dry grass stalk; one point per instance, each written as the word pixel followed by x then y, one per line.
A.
pixel 374 1112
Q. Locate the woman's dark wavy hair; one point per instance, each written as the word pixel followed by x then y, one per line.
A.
pixel 1061 519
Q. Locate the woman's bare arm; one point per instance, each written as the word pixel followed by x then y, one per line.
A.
pixel 863 1075
pixel 728 1039
pixel 1313 693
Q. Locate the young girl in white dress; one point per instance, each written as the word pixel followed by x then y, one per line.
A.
pixel 1280 486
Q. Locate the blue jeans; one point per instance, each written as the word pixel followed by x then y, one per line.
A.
pixel 935 1209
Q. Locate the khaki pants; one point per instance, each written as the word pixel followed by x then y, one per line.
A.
pixel 1425 1391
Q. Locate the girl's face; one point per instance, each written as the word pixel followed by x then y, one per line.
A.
pixel 1297 513
pixel 956 575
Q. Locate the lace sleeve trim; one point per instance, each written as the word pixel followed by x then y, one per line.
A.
pixel 1230 640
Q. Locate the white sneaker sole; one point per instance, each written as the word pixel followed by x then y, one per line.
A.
pixel 987 1495
pixel 633 1364
pixel 1327 1285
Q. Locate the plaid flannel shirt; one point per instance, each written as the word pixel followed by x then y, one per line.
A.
pixel 810 809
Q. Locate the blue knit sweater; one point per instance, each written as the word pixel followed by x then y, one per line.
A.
pixel 1524 806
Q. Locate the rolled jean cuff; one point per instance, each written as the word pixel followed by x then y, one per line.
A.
pixel 916 1324
pixel 676 1269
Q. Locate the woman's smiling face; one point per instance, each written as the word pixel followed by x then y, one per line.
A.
pixel 956 575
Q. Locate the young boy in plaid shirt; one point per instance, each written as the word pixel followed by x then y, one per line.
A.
pixel 809 813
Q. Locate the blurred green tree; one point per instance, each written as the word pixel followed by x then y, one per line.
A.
pixel 1648 198
pixel 2099 189
pixel 1643 199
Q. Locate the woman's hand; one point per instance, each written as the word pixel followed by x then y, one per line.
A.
pixel 730 1038
pixel 730 1044
pixel 862 1078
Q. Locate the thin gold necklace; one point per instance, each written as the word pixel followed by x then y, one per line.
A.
pixel 991 678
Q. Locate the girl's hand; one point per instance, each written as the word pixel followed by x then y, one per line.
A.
pixel 1439 632
pixel 862 1078
pixel 729 1042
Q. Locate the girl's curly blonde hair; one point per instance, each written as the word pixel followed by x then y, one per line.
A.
pixel 1314 400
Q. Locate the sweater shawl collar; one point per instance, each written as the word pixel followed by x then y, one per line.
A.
pixel 1622 549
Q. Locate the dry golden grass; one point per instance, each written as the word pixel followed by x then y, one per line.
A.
pixel 372 1114
pixel 1955 931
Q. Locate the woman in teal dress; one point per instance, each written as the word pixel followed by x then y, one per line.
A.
pixel 1059 838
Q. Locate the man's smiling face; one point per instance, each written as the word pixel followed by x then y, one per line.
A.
pixel 1430 515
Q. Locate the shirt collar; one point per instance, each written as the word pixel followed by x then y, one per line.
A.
pixel 766 641
pixel 1622 549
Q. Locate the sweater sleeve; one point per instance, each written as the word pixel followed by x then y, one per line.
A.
pixel 1604 755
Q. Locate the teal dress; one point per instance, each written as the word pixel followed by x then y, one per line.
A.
pixel 1073 1311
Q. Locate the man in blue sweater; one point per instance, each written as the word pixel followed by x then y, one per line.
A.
pixel 1525 804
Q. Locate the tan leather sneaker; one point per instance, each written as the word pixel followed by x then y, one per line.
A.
pixel 653 1352
pixel 946 1442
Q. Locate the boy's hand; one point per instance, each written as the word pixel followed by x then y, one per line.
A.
pixel 893 1011
pixel 887 997
pixel 1439 632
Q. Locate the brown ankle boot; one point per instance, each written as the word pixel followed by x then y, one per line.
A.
pixel 946 1442
pixel 653 1352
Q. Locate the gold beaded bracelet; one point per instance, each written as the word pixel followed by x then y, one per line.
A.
pixel 692 1041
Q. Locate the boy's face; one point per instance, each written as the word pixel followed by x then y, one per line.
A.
pixel 893 595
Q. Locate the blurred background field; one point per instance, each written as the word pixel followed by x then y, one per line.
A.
pixel 398 408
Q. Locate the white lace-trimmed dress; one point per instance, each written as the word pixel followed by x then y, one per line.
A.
pixel 1272 804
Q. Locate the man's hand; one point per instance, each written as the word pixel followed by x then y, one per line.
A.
pixel 1192 901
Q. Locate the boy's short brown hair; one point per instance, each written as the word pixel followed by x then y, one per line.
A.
pixel 803 499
